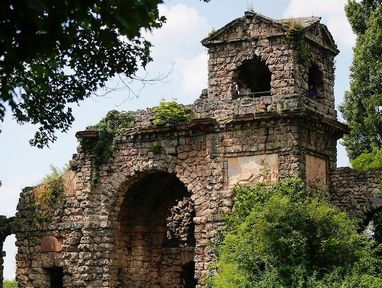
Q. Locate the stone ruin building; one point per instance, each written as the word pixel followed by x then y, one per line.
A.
pixel 268 113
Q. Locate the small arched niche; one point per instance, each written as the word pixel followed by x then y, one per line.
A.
pixel 315 82
pixel 155 236
pixel 252 79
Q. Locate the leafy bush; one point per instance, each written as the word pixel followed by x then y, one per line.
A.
pixel 366 161
pixel 278 237
pixel 10 284
pixel 170 113
pixel 47 195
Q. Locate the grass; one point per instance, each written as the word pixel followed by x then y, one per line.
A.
pixel 10 284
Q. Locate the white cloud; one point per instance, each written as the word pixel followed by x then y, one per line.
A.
pixel 181 33
pixel 177 47
pixel 193 72
pixel 333 15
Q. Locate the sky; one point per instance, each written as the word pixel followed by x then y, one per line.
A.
pixel 181 61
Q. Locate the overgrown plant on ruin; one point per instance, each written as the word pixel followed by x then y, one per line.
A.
pixel 108 130
pixel 281 236
pixel 296 37
pixel 170 113
pixel 47 197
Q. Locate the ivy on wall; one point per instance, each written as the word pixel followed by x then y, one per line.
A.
pixel 296 38
pixel 109 129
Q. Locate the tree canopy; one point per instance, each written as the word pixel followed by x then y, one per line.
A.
pixel 57 52
pixel 279 237
pixel 362 107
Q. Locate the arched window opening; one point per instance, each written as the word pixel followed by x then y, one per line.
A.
pixel 156 233
pixel 315 82
pixel 252 79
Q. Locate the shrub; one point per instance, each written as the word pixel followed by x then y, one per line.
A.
pixel 277 236
pixel 366 161
pixel 48 195
pixel 170 113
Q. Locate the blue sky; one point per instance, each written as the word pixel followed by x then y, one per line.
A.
pixel 177 49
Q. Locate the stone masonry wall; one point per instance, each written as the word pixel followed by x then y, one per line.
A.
pixel 357 192
pixel 89 223
pixel 158 202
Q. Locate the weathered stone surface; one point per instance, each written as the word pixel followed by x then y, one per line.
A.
pixel 316 171
pixel 150 218
pixel 357 192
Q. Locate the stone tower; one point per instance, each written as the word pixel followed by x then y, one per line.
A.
pixel 277 69
pixel 158 200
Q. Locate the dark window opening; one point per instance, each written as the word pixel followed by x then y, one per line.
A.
pixel 315 82
pixel 56 276
pixel 188 275
pixel 252 79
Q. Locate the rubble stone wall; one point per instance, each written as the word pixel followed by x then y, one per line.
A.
pixel 357 192
pixel 158 201
pixel 106 233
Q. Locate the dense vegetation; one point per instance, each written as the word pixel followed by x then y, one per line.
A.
pixel 368 160
pixel 362 107
pixel 279 237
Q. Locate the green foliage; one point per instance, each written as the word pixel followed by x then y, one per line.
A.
pixel 366 160
pixel 10 284
pixel 48 195
pixel 377 227
pixel 296 37
pixel 54 53
pixel 156 148
pixel 109 129
pixel 362 107
pixel 170 113
pixel 277 236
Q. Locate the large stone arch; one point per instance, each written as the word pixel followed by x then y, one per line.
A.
pixel 153 227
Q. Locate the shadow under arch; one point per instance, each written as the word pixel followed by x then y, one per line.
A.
pixel 155 234
pixel 315 82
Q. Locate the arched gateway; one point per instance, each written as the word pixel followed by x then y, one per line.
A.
pixel 155 234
